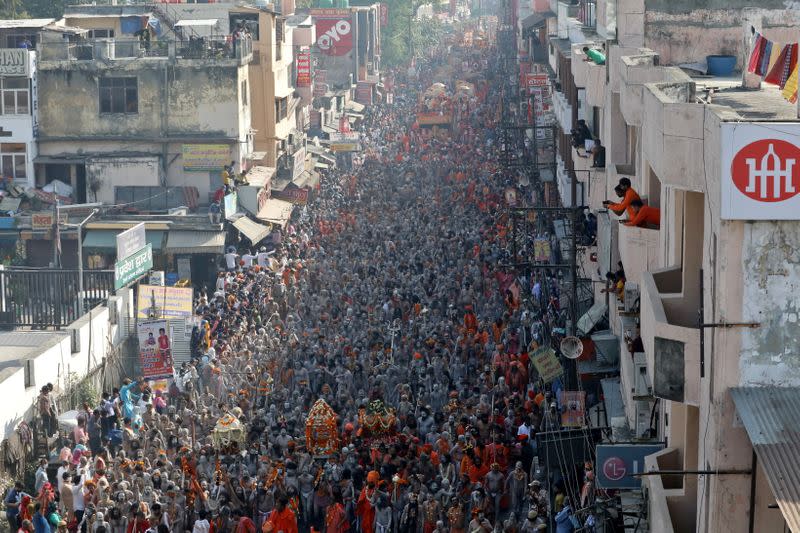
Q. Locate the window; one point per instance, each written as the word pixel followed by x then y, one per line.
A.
pixel 281 108
pixel 279 38
pixel 101 34
pixel 12 160
pixel 18 39
pixel 244 92
pixel 14 96
pixel 119 95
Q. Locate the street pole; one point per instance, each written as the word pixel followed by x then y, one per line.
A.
pixel 80 225
pixel 571 382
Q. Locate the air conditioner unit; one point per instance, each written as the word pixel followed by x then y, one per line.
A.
pixel 631 297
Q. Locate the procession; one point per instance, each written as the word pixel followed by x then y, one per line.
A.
pixel 369 373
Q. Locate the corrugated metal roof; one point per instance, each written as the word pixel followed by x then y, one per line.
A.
pixel 6 24
pixel 771 416
pixel 252 230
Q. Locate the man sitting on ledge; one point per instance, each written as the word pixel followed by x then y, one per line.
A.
pixel 644 215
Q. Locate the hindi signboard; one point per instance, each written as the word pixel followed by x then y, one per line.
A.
pixel 547 364
pixel 155 350
pixel 133 267
pixel 303 62
pixel 298 196
pixel 44 219
pixel 164 302
pixel 205 157
pixel 130 241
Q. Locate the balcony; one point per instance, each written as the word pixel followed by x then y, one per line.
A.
pixel 669 317
pixel 638 250
pixel 635 71
pixel 671 503
pixel 61 54
pixel 677 127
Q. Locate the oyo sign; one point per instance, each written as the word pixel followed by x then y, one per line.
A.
pixel 760 171
pixel 335 37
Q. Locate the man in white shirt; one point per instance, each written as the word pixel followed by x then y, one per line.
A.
pixel 230 259
pixel 41 475
pixel 263 258
pixel 247 258
pixel 524 429
pixel 61 469
pixel 78 502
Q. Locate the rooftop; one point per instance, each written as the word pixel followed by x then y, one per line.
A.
pixel 25 23
pixel 766 103
pixel 16 346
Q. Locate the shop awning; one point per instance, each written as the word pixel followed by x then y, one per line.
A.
pixel 254 231
pixel 771 416
pixel 106 239
pixel 354 106
pixel 276 211
pixel 590 319
pixel 536 20
pixel 259 176
pixel 196 242
pixel 320 165
pixel 198 22
pixel 329 129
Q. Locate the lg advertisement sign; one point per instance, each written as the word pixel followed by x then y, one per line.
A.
pixel 334 36
pixel 760 171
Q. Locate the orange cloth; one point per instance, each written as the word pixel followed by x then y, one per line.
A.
pixel 646 215
pixel 625 204
pixel 280 521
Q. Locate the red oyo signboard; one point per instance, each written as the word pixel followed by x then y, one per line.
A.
pixel 334 35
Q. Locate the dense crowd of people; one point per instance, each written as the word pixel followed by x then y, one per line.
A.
pixel 388 299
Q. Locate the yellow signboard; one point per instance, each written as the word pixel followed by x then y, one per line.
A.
pixel 205 157
pixel 547 364
pixel 164 302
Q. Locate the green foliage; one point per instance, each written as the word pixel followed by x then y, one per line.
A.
pixel 12 9
pixel 396 44
pixel 81 391
pixel 44 8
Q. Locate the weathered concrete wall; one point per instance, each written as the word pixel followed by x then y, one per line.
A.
pixel 689 35
pixel 198 100
pixel 114 172
pixel 770 354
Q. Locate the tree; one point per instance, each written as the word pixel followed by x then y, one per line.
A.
pixel 12 9
pixel 44 8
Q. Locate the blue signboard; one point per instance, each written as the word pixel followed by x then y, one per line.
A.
pixel 616 464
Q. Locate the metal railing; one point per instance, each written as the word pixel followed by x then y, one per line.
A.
pixel 587 13
pixel 120 49
pixel 47 298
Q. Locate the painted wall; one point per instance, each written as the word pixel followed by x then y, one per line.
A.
pixel 55 360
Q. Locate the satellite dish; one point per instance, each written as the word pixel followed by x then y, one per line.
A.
pixel 571 347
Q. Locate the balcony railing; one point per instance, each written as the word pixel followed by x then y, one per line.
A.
pixel 119 49
pixel 587 13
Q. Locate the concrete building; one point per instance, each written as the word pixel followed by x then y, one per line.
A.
pixel 18 88
pixel 168 113
pixel 711 288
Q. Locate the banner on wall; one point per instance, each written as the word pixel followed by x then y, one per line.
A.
pixel 164 302
pixel 384 15
pixel 205 157
pixel 760 166
pixel 155 349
